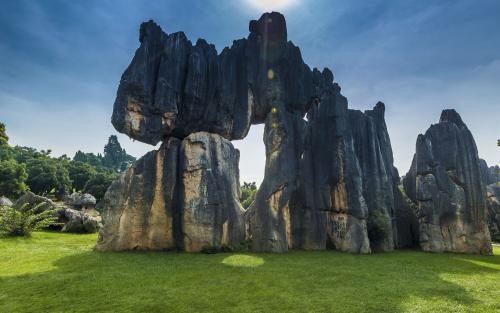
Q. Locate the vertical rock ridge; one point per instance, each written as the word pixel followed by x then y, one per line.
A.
pixel 445 182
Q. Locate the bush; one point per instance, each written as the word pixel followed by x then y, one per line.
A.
pixel 248 192
pixel 23 221
pixel 378 226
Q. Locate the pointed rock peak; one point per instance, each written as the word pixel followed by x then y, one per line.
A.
pixel 327 75
pixel 378 111
pixel 450 115
pixel 380 106
pixel 270 25
pixel 149 29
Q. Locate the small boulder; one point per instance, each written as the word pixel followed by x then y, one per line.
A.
pixel 80 200
pixel 4 201
pixel 78 222
pixel 30 199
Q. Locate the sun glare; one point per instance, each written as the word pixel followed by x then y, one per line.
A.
pixel 270 5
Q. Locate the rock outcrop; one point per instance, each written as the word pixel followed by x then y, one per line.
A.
pixel 445 182
pixel 329 181
pixel 139 206
pixel 30 199
pixel 493 216
pixel 75 221
pixel 80 201
pixel 182 196
pixel 494 174
pixel 175 88
pixel 68 220
pixel 212 216
pixel 491 175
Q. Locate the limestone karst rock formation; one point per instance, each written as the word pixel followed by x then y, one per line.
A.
pixel 491 179
pixel 329 177
pixel 446 183
pixel 493 215
pixel 182 196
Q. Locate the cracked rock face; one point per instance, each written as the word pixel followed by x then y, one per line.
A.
pixel 175 88
pixel 140 207
pixel 493 216
pixel 268 216
pixel 182 196
pixel 329 208
pixel 445 182
pixel 329 182
pixel 212 216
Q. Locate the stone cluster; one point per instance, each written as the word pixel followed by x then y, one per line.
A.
pixel 69 219
pixel 329 178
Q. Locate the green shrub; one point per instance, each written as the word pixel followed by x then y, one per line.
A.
pixel 378 226
pixel 23 221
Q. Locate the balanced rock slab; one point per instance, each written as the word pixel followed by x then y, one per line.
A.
pixel 175 88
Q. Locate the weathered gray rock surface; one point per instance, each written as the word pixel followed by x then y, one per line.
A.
pixel 445 182
pixel 75 221
pixel 175 88
pixel 80 200
pixel 212 216
pixel 4 201
pixel 182 196
pixel 329 181
pixel 30 199
pixel 493 216
pixel 139 206
pixel 68 220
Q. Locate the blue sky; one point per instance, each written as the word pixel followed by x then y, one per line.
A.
pixel 61 61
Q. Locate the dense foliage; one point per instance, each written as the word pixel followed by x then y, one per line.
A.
pixel 3 135
pixel 99 183
pixel 248 191
pixel 378 226
pixel 23 221
pixel 13 178
pixel 23 168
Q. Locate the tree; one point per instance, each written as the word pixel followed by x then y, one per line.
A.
pixel 13 178
pixel 378 226
pixel 46 174
pixel 99 184
pixel 3 135
pixel 6 152
pixel 248 191
pixel 80 173
pixel 89 158
pixel 24 154
pixel 114 156
pixel 63 184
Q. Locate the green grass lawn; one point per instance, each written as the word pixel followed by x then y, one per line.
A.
pixel 55 272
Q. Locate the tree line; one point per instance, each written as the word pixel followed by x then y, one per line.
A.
pixel 26 168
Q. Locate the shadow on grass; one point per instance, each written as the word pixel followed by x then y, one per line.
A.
pixel 323 281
